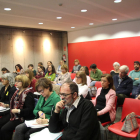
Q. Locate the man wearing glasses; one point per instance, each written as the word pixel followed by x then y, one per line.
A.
pixel 78 118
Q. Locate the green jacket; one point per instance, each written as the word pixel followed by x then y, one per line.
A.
pixel 97 75
pixel 48 106
pixel 51 77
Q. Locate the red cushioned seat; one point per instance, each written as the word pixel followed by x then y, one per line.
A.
pixel 98 84
pixel 73 75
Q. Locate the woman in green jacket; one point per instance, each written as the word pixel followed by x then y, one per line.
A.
pixel 42 111
pixel 51 74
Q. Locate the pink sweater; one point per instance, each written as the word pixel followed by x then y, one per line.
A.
pixel 110 103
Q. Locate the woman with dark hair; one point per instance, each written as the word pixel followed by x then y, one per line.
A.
pixel 31 67
pixel 21 107
pixel 29 74
pixel 48 64
pixel 43 110
pixel 105 99
pixel 5 70
pixel 51 74
pixel 19 69
pixel 40 72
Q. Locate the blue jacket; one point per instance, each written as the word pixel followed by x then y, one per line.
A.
pixel 125 86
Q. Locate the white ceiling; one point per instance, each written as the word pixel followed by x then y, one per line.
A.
pixel 28 13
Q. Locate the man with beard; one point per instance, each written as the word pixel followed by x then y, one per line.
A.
pixel 123 84
pixel 135 76
pixel 78 119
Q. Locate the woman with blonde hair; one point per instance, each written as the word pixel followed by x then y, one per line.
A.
pixel 76 66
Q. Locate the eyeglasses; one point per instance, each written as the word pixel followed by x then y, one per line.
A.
pixel 77 77
pixel 18 81
pixel 41 91
pixel 64 95
pixel 4 79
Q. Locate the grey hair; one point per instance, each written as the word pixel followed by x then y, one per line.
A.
pixel 116 63
pixel 10 78
pixel 124 67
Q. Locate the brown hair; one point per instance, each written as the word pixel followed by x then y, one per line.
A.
pixel 30 72
pixel 76 60
pixel 110 80
pixel 83 76
pixel 64 67
pixel 86 69
pixel 24 79
pixel 45 83
pixel 41 67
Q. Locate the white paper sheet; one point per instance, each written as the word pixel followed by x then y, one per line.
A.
pixel 2 109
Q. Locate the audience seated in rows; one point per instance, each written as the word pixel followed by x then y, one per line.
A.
pixel 95 74
pixel 40 72
pixel 19 69
pixel 31 67
pixel 135 76
pixel 51 74
pixel 116 66
pixel 76 66
pixel 4 70
pixel 78 119
pixel 105 100
pixel 41 64
pixel 81 82
pixel 123 84
pixel 58 70
pixel 29 74
pixel 63 77
pixel 42 111
pixel 49 63
pixel 6 94
pixel 21 107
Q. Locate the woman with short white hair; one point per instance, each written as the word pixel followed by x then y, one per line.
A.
pixel 116 66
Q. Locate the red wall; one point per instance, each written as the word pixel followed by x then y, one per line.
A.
pixel 105 52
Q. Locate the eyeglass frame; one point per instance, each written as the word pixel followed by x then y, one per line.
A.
pixel 64 95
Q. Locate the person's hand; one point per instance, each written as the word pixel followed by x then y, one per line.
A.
pixel 59 106
pixel 54 82
pixel 14 111
pixel 42 121
pixel 97 114
pixel 138 97
pixel 41 115
pixel 136 79
pixel 2 104
pixel 130 76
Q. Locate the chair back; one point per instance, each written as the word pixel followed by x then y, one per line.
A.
pixel 98 84
pixel 103 72
pixel 73 75
pixel 131 105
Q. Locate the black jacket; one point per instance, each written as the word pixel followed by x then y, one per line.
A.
pixel 83 123
pixel 5 96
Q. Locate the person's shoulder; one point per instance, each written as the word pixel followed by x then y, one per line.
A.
pixel 99 70
pixel 112 91
pixel 13 89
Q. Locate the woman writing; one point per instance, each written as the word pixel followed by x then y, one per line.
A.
pixel 105 100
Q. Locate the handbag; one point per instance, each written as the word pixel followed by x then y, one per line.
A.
pixel 93 91
pixel 130 122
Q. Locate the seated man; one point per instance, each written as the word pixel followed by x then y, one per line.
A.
pixel 135 76
pixel 78 118
pixel 95 74
pixel 123 84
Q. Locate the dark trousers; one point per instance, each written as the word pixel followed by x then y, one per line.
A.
pixel 121 98
pixel 7 130
pixel 104 118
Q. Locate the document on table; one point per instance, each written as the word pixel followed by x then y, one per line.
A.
pixel 34 124
pixel 45 134
pixel 2 109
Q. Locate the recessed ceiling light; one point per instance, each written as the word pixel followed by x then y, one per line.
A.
pixel 117 1
pixel 58 17
pixel 84 10
pixel 91 23
pixel 114 19
pixel 40 23
pixel 7 9
pixel 72 27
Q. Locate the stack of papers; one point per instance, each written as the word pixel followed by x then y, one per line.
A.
pixel 2 109
pixel 45 134
pixel 34 124
pixel 36 93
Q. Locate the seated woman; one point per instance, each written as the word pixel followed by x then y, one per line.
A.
pixel 81 81
pixel 6 94
pixel 5 70
pixel 42 111
pixel 86 71
pixel 21 107
pixel 63 77
pixel 19 69
pixel 40 72
pixel 49 63
pixel 105 100
pixel 116 66
pixel 51 74
pixel 76 66
pixel 58 70
pixel 29 74
pixel 31 67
